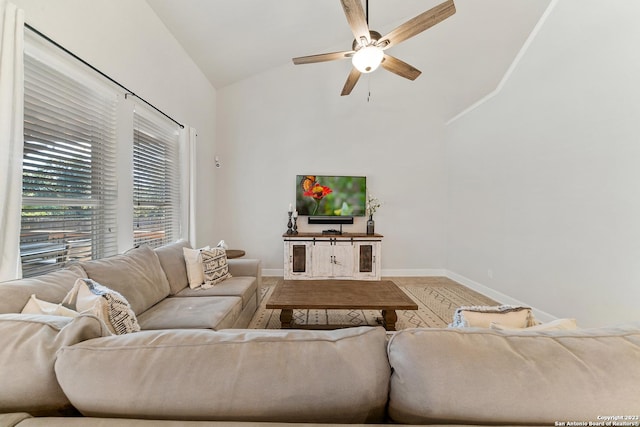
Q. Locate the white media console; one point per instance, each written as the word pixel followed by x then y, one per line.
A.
pixel 332 256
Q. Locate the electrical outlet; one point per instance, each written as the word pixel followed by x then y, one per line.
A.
pixel 490 273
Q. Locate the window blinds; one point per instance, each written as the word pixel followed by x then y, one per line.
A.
pixel 69 182
pixel 156 180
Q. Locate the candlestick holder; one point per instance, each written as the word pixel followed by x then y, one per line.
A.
pixel 295 224
pixel 290 224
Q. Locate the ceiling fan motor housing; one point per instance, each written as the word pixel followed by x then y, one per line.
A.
pixel 374 35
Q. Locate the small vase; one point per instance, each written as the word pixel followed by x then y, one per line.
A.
pixel 370 225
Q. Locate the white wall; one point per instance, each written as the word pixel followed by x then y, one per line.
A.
pixel 544 179
pixel 126 40
pixel 291 120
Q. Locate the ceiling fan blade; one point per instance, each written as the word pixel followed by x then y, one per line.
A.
pixel 400 68
pixel 323 57
pixel 418 24
pixel 357 19
pixel 354 75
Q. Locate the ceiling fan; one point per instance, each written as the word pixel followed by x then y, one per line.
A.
pixel 368 47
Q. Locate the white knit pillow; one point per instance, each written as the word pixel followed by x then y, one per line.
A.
pixel 37 306
pixel 193 261
pixel 554 325
pixel 111 307
pixel 215 266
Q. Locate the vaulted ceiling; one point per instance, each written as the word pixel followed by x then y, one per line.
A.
pixel 231 40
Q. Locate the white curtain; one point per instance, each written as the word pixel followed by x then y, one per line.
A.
pixel 188 153
pixel 11 137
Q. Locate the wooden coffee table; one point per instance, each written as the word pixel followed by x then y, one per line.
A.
pixel 381 295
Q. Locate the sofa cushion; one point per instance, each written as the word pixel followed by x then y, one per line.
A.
pixel 243 287
pixel 51 287
pixel 137 275
pixel 339 376
pixel 171 259
pixel 484 376
pixel 28 346
pixel 192 313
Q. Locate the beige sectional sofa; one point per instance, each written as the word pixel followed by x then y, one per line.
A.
pixel 155 284
pixel 359 375
pixel 58 371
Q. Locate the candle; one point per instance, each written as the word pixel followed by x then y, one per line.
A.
pixel 290 207
pixel 295 214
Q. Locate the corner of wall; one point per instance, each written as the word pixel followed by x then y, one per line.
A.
pixel 512 67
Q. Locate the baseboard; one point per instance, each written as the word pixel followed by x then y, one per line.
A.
pixel 540 315
pixel 408 272
pixel 413 272
pixel 273 272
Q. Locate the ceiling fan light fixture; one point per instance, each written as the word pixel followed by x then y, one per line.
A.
pixel 367 59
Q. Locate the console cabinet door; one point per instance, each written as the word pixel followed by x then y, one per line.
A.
pixel 367 260
pixel 343 260
pixel 298 260
pixel 322 260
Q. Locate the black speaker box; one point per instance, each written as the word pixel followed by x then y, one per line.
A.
pixel 330 220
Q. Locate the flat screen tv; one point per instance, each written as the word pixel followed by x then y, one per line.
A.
pixel 322 195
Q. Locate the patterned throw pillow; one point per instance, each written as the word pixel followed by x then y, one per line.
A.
pixel 215 267
pixel 108 305
pixel 482 316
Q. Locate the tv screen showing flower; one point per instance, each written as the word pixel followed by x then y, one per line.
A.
pixel 318 195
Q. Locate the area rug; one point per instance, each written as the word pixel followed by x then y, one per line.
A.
pixel 437 299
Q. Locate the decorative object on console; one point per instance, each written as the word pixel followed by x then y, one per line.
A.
pixel 289 223
pixel 295 222
pixel 372 206
pixel 222 244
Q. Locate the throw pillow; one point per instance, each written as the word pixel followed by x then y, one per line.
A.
pixel 36 306
pixel 482 316
pixel 214 266
pixel 194 266
pixel 104 303
pixel 555 325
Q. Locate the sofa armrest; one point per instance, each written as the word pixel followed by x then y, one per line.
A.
pixel 245 267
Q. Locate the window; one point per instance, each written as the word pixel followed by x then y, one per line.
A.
pixel 69 183
pixel 156 180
